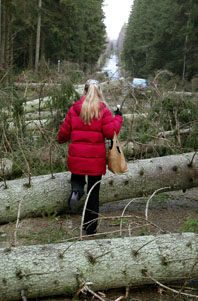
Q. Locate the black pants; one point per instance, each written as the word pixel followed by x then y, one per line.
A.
pixel 92 209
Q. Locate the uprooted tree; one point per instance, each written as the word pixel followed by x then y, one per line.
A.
pixel 143 178
pixel 64 268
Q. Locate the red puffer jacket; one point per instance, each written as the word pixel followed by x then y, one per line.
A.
pixel 87 152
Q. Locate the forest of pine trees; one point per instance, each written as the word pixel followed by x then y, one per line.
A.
pixel 162 34
pixel 50 30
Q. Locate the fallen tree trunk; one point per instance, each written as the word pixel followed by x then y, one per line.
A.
pixel 180 93
pixel 132 149
pixel 44 102
pixel 39 115
pixel 36 116
pixel 144 177
pixel 29 84
pixel 135 116
pixel 158 143
pixel 34 121
pixel 174 132
pixel 33 105
pixel 30 124
pixel 60 269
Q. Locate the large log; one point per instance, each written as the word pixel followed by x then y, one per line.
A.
pixel 41 120
pixel 180 94
pixel 30 124
pixel 36 115
pixel 33 105
pixel 133 149
pixel 44 102
pixel 59 269
pixel 135 116
pixel 144 177
pixel 153 146
pixel 174 132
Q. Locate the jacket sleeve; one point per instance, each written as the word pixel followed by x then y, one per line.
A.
pixel 65 129
pixel 110 124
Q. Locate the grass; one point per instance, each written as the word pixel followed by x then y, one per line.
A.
pixel 52 233
pixel 46 236
pixel 160 197
pixel 191 225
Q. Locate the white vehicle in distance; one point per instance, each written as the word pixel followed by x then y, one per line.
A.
pixel 140 83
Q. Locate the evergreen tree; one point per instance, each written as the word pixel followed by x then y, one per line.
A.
pixel 162 34
pixel 70 30
pixel 24 16
pixel 77 31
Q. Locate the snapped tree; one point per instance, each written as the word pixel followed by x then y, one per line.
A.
pixel 65 268
pixel 143 178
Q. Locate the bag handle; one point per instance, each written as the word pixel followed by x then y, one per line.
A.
pixel 115 143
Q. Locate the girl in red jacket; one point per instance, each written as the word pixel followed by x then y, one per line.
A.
pixel 88 122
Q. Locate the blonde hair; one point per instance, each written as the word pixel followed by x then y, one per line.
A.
pixel 91 105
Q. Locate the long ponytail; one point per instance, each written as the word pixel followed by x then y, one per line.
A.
pixel 91 105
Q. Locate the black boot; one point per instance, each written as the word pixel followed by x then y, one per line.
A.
pixel 73 201
pixel 77 184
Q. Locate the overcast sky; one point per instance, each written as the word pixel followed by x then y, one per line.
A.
pixel 117 13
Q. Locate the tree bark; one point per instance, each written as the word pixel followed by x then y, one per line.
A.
pixel 173 132
pixel 33 106
pixel 5 50
pixel 30 124
pixel 0 33
pixel 132 149
pixel 135 116
pixel 6 167
pixel 60 269
pixel 179 94
pixel 38 34
pixel 158 143
pixel 143 178
pixel 30 51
